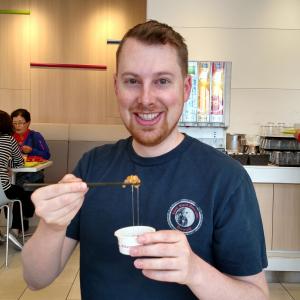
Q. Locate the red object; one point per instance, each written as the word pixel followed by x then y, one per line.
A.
pixel 35 159
pixel 74 66
pixel 21 138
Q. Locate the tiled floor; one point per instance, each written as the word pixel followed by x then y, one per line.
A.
pixel 66 286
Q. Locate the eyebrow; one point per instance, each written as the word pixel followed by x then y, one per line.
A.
pixel 156 74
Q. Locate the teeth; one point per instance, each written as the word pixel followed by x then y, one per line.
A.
pixel 148 117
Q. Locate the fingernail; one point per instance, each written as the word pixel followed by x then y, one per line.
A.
pixel 83 186
pixel 137 264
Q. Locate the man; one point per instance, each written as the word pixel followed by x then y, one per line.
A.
pixel 219 253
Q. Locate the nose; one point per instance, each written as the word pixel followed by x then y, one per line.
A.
pixel 146 95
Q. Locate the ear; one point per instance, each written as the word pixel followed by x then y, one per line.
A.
pixel 187 87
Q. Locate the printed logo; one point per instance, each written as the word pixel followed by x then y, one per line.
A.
pixel 186 216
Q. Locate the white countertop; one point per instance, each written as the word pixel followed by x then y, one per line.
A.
pixel 273 174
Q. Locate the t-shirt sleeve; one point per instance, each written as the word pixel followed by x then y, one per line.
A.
pixel 239 244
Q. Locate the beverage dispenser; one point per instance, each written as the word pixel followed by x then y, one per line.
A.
pixel 206 113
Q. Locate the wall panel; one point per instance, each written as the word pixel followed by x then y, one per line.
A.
pixel 69 31
pixel 229 13
pixel 12 99
pixel 251 108
pixel 14 51
pixel 14 4
pixel 68 96
pixel 270 62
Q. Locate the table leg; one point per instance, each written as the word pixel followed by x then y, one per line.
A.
pixel 13 178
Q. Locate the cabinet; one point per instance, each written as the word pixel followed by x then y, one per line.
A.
pixel 264 193
pixel 280 210
pixel 286 217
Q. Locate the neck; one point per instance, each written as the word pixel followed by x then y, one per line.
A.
pixel 22 134
pixel 168 144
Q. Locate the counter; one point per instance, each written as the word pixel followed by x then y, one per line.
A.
pixel 278 193
pixel 274 174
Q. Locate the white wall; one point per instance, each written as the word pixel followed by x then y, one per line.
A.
pixel 260 37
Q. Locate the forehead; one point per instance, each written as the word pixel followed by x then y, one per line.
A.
pixel 18 117
pixel 138 57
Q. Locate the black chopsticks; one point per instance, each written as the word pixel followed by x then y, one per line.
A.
pixel 34 186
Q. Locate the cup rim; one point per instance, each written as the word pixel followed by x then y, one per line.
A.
pixel 121 232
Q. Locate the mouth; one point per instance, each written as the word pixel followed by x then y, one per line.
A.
pixel 148 119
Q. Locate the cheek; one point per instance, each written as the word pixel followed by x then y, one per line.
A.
pixel 127 99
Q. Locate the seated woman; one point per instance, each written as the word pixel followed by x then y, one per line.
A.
pixel 11 157
pixel 31 144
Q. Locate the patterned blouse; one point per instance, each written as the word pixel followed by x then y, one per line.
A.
pixel 10 157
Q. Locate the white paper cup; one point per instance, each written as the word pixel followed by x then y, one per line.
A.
pixel 127 237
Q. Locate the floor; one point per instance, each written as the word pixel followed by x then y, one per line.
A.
pixel 66 286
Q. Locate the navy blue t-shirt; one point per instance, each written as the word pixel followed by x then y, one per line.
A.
pixel 193 188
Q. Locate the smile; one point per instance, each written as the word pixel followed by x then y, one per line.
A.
pixel 148 117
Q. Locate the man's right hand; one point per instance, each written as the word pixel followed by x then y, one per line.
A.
pixel 57 204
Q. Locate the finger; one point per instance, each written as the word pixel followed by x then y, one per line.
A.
pixel 59 202
pixel 157 263
pixel 55 190
pixel 70 178
pixel 156 250
pixel 161 236
pixel 166 276
pixel 63 216
pixel 66 219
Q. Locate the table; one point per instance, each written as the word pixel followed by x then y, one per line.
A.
pixel 14 171
pixel 36 168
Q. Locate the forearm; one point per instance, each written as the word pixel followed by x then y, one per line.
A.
pixel 42 256
pixel 207 283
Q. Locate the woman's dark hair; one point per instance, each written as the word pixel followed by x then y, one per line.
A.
pixel 21 112
pixel 6 126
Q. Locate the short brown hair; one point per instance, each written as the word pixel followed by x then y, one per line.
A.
pixel 6 126
pixel 153 32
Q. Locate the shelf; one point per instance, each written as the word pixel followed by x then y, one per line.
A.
pixel 282 136
pixel 201 124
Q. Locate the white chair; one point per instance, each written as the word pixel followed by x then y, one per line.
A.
pixel 9 203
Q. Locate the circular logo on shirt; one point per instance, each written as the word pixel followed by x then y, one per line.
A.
pixel 185 215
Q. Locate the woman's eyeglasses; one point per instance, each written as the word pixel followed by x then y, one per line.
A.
pixel 19 123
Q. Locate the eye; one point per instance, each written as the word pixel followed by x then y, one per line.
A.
pixel 163 81
pixel 131 81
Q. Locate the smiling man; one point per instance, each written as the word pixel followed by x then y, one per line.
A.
pixel 209 242
pixel 151 90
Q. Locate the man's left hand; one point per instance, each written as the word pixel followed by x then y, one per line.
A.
pixel 169 256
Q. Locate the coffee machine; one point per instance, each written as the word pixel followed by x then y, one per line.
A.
pixel 245 149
